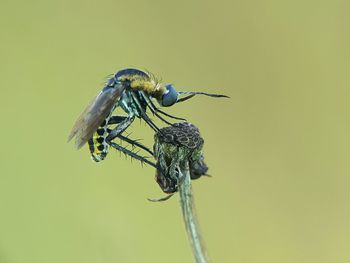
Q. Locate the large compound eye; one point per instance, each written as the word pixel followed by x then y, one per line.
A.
pixel 170 96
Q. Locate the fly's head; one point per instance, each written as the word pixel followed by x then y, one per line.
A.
pixel 169 97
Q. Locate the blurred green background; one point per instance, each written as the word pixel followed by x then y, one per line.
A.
pixel 278 150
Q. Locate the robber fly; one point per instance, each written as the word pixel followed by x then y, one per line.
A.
pixel 133 90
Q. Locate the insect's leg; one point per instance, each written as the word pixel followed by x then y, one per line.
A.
pixel 132 154
pixel 116 119
pixel 143 113
pixel 170 116
pixel 135 143
pixel 153 108
pixel 120 128
pixel 147 100
pixel 119 119
pixel 151 105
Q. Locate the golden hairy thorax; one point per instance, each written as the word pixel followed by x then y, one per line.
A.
pixel 147 82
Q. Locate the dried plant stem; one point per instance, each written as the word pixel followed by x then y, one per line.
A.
pixel 189 215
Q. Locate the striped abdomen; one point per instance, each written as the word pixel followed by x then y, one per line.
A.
pixel 97 144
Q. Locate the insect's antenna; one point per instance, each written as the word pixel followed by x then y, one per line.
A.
pixel 185 98
pixel 193 93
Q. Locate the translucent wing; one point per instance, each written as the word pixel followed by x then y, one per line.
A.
pixel 94 114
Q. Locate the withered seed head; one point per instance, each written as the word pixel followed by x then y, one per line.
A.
pixel 173 146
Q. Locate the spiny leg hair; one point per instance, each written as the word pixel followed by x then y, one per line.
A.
pixel 122 149
pixel 117 120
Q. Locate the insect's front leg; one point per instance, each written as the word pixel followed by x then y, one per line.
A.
pixel 135 143
pixel 132 154
pixel 123 122
pixel 116 119
pixel 122 126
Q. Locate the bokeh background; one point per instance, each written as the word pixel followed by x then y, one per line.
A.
pixel 278 150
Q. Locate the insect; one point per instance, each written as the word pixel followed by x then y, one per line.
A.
pixel 133 91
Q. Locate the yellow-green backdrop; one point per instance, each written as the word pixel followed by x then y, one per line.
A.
pixel 278 150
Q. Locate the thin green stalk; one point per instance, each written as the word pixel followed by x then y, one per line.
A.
pixel 189 215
